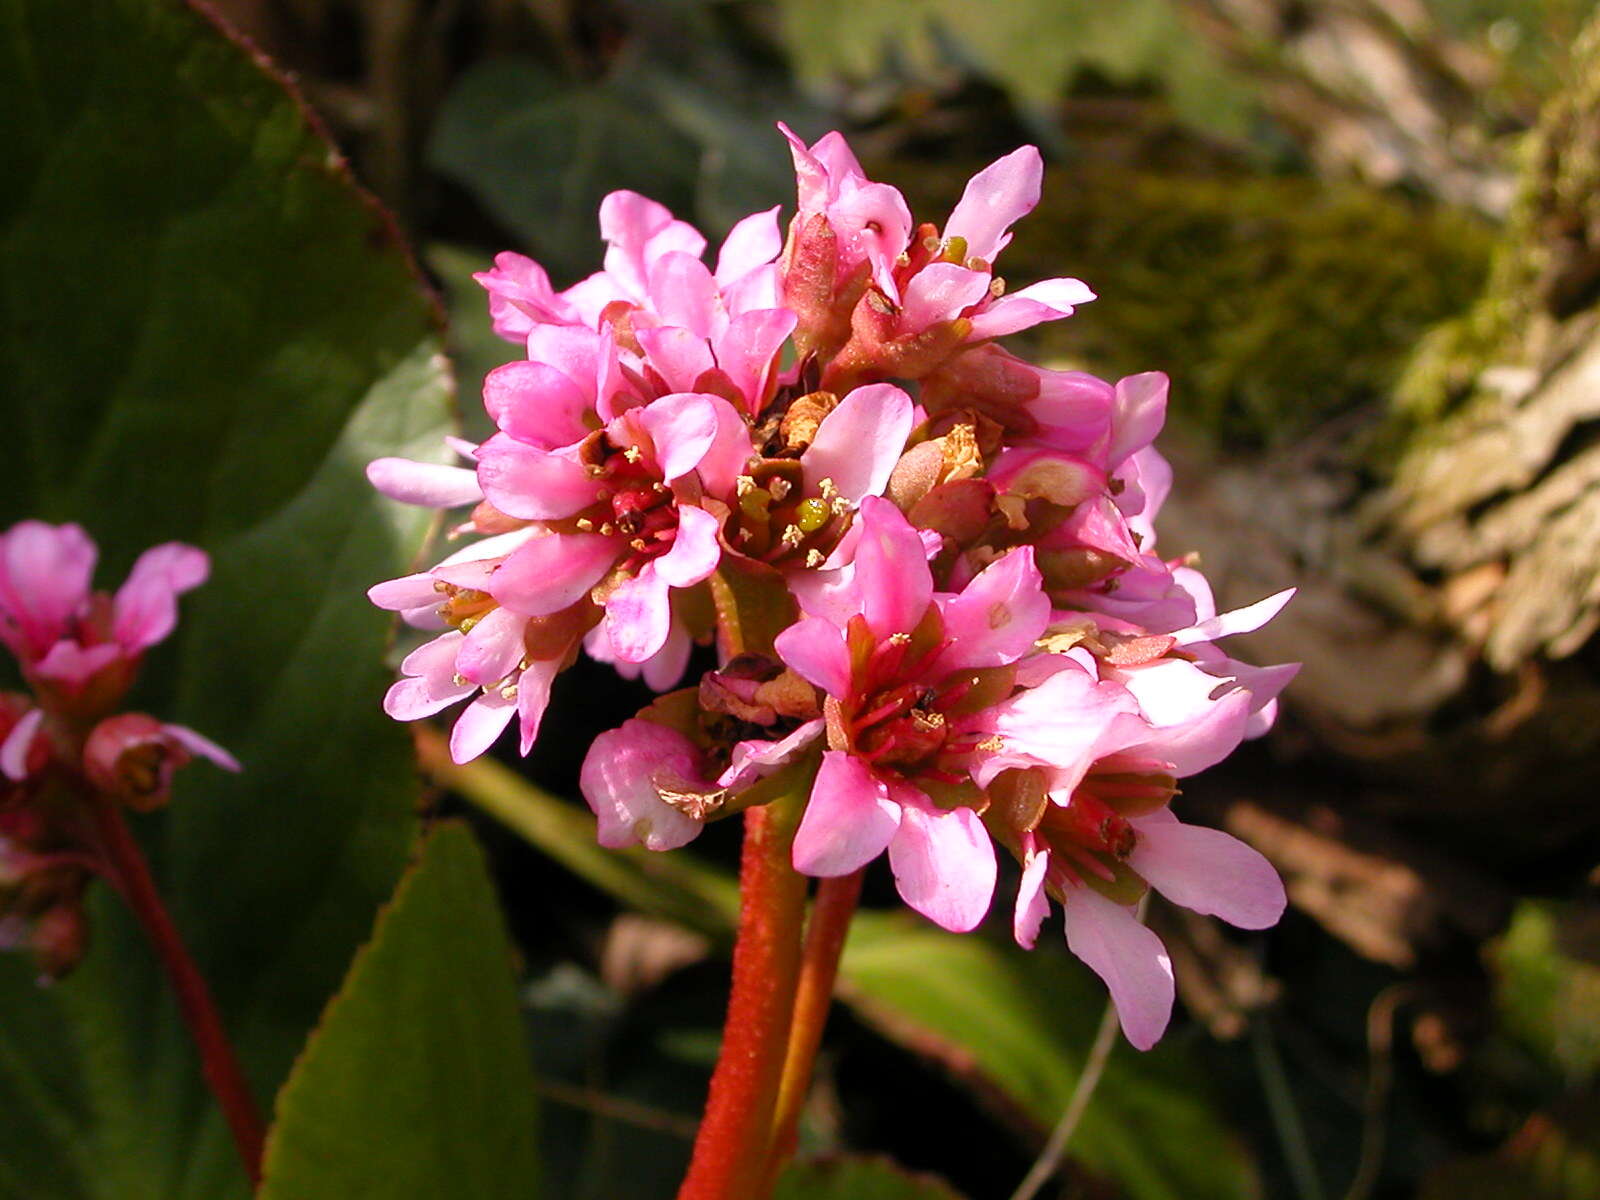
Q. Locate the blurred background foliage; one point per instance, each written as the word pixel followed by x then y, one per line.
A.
pixel 1293 207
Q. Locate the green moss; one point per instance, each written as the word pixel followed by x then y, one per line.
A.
pixel 1275 303
pixel 1542 270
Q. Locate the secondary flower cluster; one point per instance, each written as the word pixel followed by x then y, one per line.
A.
pixel 928 566
pixel 65 746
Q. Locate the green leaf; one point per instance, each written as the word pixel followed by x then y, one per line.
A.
pixel 680 116
pixel 205 331
pixel 541 154
pixel 674 886
pixel 1547 985
pixel 1033 49
pixel 1016 1026
pixel 858 1178
pixel 418 1082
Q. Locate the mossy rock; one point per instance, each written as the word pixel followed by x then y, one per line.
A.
pixel 1543 289
pixel 1275 302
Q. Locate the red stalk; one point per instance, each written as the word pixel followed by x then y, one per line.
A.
pixel 826 931
pixel 126 869
pixel 731 1152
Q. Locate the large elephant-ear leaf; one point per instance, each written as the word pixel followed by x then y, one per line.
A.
pixel 206 329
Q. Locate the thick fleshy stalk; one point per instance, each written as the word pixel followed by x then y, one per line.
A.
pixel 730 1160
pixel 826 931
pixel 125 867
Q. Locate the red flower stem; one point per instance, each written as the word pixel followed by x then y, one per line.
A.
pixel 731 1151
pixel 826 930
pixel 128 872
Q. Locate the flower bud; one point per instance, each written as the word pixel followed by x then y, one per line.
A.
pixel 133 756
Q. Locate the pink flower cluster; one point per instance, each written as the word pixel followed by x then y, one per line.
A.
pixel 79 653
pixel 928 565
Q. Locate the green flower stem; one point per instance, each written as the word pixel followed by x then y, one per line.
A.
pixel 731 1153
pixel 127 871
pixel 826 931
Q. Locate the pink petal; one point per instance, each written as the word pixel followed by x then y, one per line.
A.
pixel 748 349
pixel 695 550
pixel 815 648
pixel 45 572
pixel 892 579
pixel 836 157
pixel 998 616
pixel 858 444
pixel 493 647
pixel 582 355
pixel 479 724
pixel 1049 300
pixel 533 697
pixel 678 356
pixel 549 573
pixel 685 294
pixel 751 243
pixel 199 744
pixel 663 669
pixel 520 295
pixel 1129 957
pixel 943 864
pixel 435 659
pixel 848 821
pixel 588 298
pixel 533 484
pixel 411 699
pixel 430 683
pixel 1064 722
pixel 628 221
pixel 873 223
pixel 1033 905
pixel 14 750
pixel 758 291
pixel 146 605
pixel 811 176
pixel 995 199
pixel 537 404
pixel 683 427
pixel 407 592
pixel 1240 620
pixel 1208 871
pixel 73 664
pixel 939 292
pixel 755 759
pixel 1140 412
pixel 620 779
pixel 430 485
pixel 729 454
pixel 1073 409
pixel 1203 742
pixel 638 616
